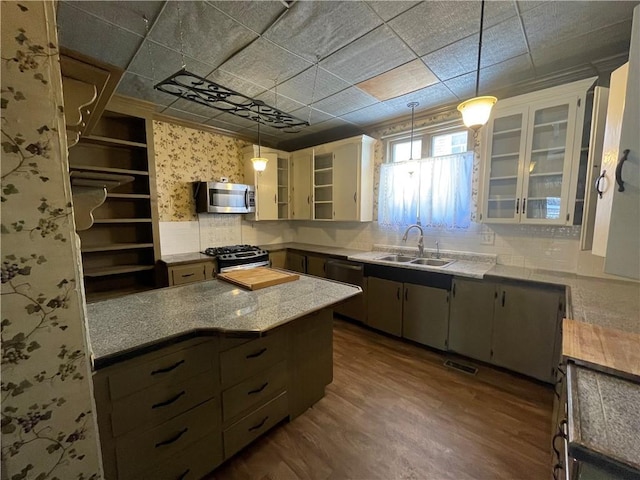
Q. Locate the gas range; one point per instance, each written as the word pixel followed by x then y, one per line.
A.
pixel 235 257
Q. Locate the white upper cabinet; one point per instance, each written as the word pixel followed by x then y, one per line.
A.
pixel 623 232
pixel 301 161
pixel 272 184
pixel 342 180
pixel 532 156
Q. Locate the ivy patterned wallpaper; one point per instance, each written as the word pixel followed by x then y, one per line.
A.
pixel 48 429
pixel 184 155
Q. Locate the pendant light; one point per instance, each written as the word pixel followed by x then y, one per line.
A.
pixel 259 162
pixel 476 111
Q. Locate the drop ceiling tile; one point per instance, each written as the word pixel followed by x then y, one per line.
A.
pixel 407 78
pixel 76 27
pixel 506 74
pixel 235 121
pixel 301 87
pixel 128 15
pixel 499 43
pixel 317 29
pixel 229 127
pixel 372 114
pixel 158 62
pixel 265 63
pixel 345 101
pixel 195 108
pixel 254 15
pixel 429 97
pixel 283 103
pixel 174 112
pixel 376 52
pixel 232 82
pixel 463 86
pixel 388 10
pixel 553 22
pixel 524 5
pixel 435 24
pixel 315 118
pixel 207 34
pixel 581 50
pixel 141 87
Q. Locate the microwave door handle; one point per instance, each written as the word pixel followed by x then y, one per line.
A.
pixel 246 198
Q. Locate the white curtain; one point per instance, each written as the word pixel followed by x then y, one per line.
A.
pixel 437 194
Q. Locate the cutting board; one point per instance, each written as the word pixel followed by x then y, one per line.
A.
pixel 256 278
pixel 606 349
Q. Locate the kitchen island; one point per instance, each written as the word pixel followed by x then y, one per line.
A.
pixel 187 376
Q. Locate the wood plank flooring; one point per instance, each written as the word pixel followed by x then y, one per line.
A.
pixel 394 411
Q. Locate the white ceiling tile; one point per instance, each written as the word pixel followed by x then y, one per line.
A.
pixel 301 87
pixel 254 15
pixel 158 62
pixel 128 15
pixel 141 87
pixel 345 101
pixel 389 9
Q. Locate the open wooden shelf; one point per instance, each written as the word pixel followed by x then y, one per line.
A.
pixel 111 247
pixel 115 270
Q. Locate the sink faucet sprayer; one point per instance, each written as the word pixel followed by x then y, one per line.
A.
pixel 420 242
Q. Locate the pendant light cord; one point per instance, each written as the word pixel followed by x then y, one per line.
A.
pixel 413 106
pixel 260 156
pixel 479 47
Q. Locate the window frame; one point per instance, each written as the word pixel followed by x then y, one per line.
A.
pixel 426 134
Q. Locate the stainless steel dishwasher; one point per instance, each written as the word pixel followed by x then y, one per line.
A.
pixel 353 273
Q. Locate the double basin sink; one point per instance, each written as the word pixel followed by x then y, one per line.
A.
pixel 431 262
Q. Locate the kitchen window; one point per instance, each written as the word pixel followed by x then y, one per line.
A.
pixel 435 189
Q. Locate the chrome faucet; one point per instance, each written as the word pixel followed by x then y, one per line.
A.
pixel 437 249
pixel 420 242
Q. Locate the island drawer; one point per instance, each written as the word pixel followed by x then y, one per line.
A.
pixel 255 424
pixel 183 274
pixel 154 405
pixel 249 358
pixel 192 463
pixel 146 371
pixel 254 391
pixel 141 451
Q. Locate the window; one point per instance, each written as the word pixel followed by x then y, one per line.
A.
pixel 433 190
pixel 430 143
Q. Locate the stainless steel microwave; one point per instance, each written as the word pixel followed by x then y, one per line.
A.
pixel 216 197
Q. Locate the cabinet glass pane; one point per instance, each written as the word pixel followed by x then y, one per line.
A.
pixel 323 194
pixel 323 161
pixel 323 211
pixel 545 168
pixel 502 198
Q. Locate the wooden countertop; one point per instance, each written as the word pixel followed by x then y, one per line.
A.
pixel 606 349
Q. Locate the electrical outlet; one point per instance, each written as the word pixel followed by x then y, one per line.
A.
pixel 487 238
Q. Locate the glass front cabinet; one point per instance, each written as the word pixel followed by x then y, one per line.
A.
pixel 533 150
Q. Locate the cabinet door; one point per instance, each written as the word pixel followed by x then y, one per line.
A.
pixel 345 182
pixel 425 315
pixel 301 184
pixel 548 161
pixel 623 249
pixel 267 189
pixel 471 318
pixel 296 262
pixel 385 305
pixel 317 266
pixel 524 328
pixel 506 145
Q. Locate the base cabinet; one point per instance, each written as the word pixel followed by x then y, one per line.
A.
pixel 471 318
pixel 296 262
pixel 425 315
pixel 384 305
pixel 181 411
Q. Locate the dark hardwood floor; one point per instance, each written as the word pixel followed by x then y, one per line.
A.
pixel 394 411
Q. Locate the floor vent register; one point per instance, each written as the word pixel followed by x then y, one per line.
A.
pixel 461 367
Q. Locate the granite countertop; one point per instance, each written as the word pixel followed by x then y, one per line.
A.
pixel 120 326
pixel 181 258
pixel 604 420
pixel 307 247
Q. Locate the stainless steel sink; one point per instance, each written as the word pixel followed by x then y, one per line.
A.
pixel 397 258
pixel 433 262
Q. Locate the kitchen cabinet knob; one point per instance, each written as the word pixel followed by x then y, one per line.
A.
pixel 406 294
pixel 597 184
pixel 504 295
pixel 625 156
pixel 258 390
pixel 398 293
pixel 355 197
pixel 517 205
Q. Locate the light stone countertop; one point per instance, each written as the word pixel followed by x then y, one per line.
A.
pixel 604 419
pixel 307 247
pixel 122 325
pixel 182 258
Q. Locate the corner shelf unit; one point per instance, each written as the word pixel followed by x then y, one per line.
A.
pixel 120 250
pixel 323 186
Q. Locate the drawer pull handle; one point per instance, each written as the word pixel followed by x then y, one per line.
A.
pixel 256 427
pixel 625 156
pixel 258 390
pixel 184 474
pixel 257 354
pixel 168 369
pixel 168 402
pixel 188 275
pixel 173 439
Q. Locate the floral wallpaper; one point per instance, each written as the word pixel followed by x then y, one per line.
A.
pixel 47 425
pixel 184 155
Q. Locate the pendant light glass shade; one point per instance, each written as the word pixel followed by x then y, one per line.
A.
pixel 259 162
pixel 476 111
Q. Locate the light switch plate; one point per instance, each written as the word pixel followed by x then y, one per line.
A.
pixel 487 238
